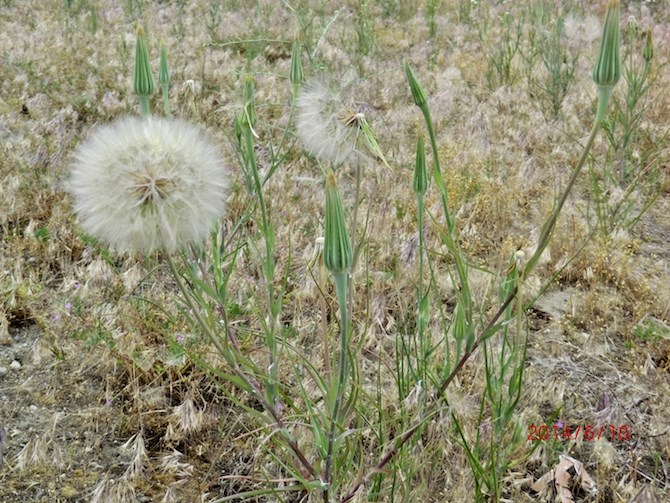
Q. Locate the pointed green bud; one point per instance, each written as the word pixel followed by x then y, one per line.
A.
pixel 163 73
pixel 607 70
pixel 337 252
pixel 239 124
pixel 296 73
pixel 164 80
pixel 420 184
pixel 648 51
pixel 249 104
pixel 419 95
pixel 143 82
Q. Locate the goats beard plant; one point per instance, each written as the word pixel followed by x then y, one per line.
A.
pixel 150 183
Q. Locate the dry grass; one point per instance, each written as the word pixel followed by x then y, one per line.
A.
pixel 107 406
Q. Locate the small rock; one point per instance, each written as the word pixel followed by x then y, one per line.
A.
pixel 15 365
pixel 3 371
pixel 32 408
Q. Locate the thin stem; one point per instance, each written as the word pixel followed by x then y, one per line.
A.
pixel 268 267
pixel 354 217
pixel 166 100
pixel 549 226
pixel 276 161
pixel 437 169
pixel 450 236
pixel 144 106
pixel 341 279
pixel 423 343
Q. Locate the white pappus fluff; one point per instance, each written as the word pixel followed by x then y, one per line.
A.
pixel 322 126
pixel 145 183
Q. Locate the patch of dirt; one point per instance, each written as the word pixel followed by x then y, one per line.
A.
pixel 59 440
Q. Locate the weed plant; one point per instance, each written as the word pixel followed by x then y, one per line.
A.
pixel 319 407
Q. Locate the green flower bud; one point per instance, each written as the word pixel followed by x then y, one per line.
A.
pixel 239 124
pixel 296 74
pixel 419 95
pixel 607 70
pixel 420 184
pixel 648 51
pixel 143 82
pixel 163 73
pixel 164 80
pixel 249 104
pixel 337 252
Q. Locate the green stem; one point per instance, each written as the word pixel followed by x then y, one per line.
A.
pixel 354 217
pixel 268 267
pixel 276 161
pixel 144 106
pixel 423 343
pixel 437 169
pixel 341 279
pixel 357 246
pixel 548 229
pixel 450 236
pixel 166 100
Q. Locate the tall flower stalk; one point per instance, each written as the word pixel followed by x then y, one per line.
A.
pixel 274 300
pixel 420 187
pixel 338 258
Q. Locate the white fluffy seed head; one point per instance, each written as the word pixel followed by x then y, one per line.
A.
pixel 323 127
pixel 143 183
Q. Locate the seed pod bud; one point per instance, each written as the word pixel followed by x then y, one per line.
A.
pixel 143 82
pixel 249 104
pixel 419 95
pixel 648 51
pixel 337 251
pixel 163 73
pixel 607 70
pixel 296 73
pixel 420 184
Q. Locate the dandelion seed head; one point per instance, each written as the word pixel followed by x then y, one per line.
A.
pixel 146 183
pixel 327 128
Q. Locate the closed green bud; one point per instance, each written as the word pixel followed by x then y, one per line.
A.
pixel 164 80
pixel 143 82
pixel 296 74
pixel 249 104
pixel 337 252
pixel 420 184
pixel 607 70
pixel 648 51
pixel 419 95
pixel 239 124
pixel 163 73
